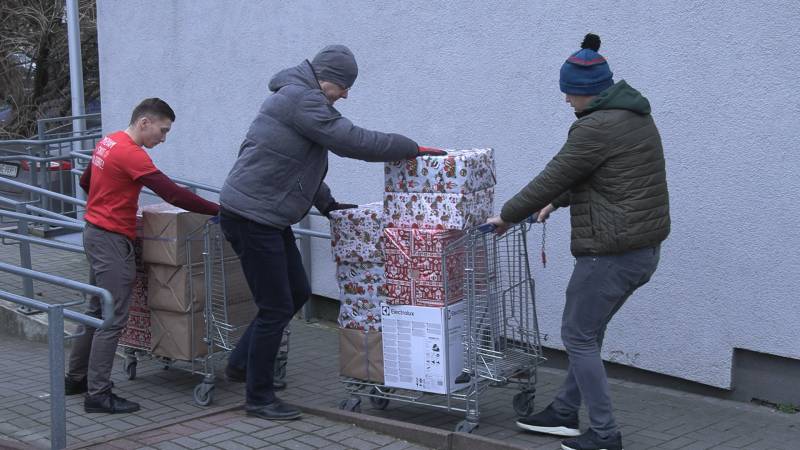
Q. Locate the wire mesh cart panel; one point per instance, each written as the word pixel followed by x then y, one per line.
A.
pixel 501 342
pixel 214 329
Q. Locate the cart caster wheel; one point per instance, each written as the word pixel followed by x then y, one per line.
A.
pixel 204 394
pixel 466 427
pixel 523 403
pixel 130 368
pixel 378 402
pixel 352 404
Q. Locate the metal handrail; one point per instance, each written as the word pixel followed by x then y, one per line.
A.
pixel 68 224
pixel 42 241
pixel 103 294
pixel 39 159
pixel 42 191
pixel 55 337
pixel 42 142
pixel 65 118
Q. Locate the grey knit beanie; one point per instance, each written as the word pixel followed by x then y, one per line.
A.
pixel 336 63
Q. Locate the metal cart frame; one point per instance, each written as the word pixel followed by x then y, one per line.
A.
pixel 219 334
pixel 502 344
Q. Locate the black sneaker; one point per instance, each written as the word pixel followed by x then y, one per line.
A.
pixel 109 403
pixel 591 441
pixel 235 375
pixel 548 421
pixel 276 410
pixel 72 387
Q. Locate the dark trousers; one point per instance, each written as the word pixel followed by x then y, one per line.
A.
pixel 274 271
pixel 112 266
pixel 599 287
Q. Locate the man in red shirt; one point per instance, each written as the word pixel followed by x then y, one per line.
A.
pixel 120 168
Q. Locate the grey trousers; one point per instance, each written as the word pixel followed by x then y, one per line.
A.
pixel 599 287
pixel 112 266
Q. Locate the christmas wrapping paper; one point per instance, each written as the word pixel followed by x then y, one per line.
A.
pixel 362 288
pixel 419 272
pixel 460 172
pixel 437 211
pixel 356 234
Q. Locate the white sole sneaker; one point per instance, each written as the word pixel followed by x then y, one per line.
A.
pixel 567 447
pixel 555 431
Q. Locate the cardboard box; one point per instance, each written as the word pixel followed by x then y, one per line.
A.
pixel 169 286
pixel 362 288
pixel 361 355
pixel 423 347
pixel 177 335
pixel 356 234
pixel 165 229
pixel 437 211
pixel 419 271
pixel 460 172
pixel 173 335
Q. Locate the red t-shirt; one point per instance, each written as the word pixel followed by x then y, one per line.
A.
pixel 118 163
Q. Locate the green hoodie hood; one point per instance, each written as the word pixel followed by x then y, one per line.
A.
pixel 620 96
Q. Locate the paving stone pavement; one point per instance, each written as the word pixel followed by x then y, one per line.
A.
pixel 649 417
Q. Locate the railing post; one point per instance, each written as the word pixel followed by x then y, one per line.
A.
pixel 25 259
pixel 305 254
pixel 58 408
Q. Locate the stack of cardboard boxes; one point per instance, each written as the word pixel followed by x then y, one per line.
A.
pixel 169 298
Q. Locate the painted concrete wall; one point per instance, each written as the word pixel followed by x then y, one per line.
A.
pixel 721 78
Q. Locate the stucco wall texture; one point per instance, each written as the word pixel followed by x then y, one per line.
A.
pixel 721 78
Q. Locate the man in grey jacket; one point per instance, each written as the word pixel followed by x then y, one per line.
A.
pixel 277 177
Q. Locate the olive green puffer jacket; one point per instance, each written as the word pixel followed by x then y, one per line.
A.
pixel 611 172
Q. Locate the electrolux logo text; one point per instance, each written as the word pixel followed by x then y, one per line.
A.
pixel 388 311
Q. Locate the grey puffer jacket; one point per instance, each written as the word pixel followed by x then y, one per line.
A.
pixel 283 160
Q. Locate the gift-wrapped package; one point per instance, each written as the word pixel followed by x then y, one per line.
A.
pixel 356 234
pixel 460 172
pixel 362 288
pixel 437 211
pixel 418 270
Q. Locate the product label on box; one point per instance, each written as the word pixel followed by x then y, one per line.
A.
pixel 423 347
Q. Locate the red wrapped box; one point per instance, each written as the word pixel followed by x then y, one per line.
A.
pixel 418 272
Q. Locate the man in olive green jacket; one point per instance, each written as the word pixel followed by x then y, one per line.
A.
pixel 611 173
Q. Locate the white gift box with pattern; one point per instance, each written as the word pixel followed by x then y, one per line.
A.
pixel 356 234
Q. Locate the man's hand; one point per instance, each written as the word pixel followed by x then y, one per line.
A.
pixel 501 226
pixel 431 151
pixel 544 213
pixel 335 206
